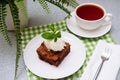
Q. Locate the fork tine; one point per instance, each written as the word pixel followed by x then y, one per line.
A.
pixel 108 52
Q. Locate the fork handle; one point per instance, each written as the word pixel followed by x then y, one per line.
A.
pixel 98 70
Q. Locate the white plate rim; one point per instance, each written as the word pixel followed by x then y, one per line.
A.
pixel 74 28
pixel 83 50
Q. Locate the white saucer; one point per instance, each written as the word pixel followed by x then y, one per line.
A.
pixel 73 27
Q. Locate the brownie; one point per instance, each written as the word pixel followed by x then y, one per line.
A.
pixel 52 57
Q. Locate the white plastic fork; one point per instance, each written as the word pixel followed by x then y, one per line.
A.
pixel 105 56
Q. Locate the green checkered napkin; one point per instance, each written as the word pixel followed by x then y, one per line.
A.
pixel 31 32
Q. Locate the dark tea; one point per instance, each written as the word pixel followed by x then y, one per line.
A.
pixel 90 12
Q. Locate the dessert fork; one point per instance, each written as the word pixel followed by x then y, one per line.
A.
pixel 105 56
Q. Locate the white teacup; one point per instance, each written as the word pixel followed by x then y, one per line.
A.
pixel 90 16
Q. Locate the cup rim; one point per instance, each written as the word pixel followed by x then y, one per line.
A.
pixel 90 4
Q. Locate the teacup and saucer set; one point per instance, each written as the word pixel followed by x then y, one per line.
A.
pixel 89 20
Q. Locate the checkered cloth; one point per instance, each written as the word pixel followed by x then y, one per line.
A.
pixel 90 43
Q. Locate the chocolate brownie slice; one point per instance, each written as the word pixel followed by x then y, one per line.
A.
pixel 52 57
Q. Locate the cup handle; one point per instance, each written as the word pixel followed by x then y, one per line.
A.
pixel 107 19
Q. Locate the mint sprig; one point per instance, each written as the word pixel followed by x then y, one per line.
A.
pixel 54 33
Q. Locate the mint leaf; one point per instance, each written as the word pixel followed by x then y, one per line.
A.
pixel 51 27
pixel 53 34
pixel 48 35
pixel 56 29
pixel 58 34
pixel 55 39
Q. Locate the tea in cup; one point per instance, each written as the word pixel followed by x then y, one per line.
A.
pixel 90 16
